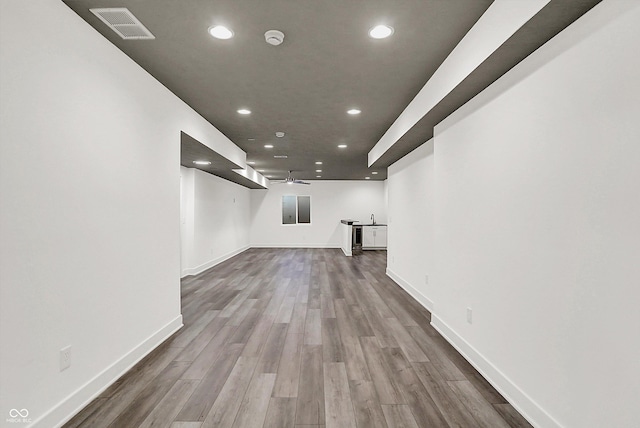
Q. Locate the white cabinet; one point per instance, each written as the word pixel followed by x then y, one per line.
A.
pixel 374 237
pixel 380 238
pixel 368 238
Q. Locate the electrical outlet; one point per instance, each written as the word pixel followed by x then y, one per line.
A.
pixel 469 315
pixel 65 358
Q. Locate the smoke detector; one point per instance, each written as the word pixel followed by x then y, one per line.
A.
pixel 274 37
pixel 279 134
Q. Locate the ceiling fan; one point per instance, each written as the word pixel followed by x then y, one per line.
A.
pixel 290 180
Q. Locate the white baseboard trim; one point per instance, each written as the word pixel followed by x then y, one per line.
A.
pixel 420 298
pixel 524 404
pixel 76 401
pixel 295 246
pixel 211 263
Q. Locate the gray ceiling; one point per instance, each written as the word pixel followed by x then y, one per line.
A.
pixel 326 65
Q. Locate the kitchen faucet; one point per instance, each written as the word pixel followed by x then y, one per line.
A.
pixel 373 219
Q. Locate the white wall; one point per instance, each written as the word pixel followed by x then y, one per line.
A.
pixel 187 217
pixel 89 220
pixel 410 251
pixel 536 226
pixel 331 201
pixel 215 220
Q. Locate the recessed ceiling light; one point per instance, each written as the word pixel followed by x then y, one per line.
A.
pixel 342 146
pixel 220 32
pixel 268 146
pixel 251 139
pixel 261 170
pixel 380 32
pixel 374 172
pixel 354 111
pixel 318 170
pixel 318 176
pixel 279 134
pixel 319 163
pixel 251 163
pixel 367 178
pixel 280 156
pixel 244 111
pixel 202 162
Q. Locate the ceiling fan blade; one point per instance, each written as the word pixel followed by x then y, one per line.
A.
pixel 289 180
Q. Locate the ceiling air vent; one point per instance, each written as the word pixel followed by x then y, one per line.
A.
pixel 122 21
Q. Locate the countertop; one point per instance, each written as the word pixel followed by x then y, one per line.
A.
pixel 357 223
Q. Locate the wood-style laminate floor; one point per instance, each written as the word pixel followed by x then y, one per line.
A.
pixel 300 338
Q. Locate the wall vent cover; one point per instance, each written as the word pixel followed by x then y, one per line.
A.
pixel 122 21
